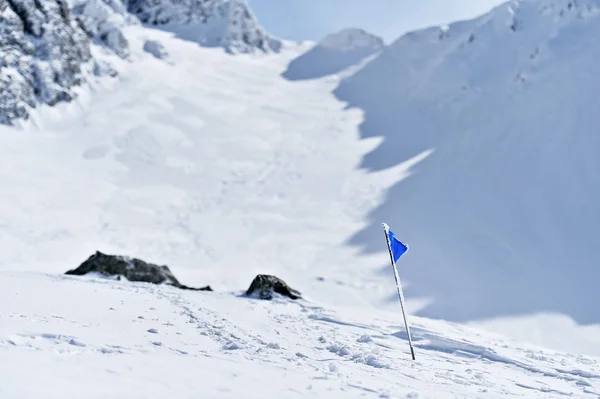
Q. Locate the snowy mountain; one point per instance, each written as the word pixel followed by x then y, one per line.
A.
pixel 335 53
pixel 502 211
pixel 479 156
pixel 45 46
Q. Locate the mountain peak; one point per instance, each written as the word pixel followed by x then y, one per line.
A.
pixel 350 39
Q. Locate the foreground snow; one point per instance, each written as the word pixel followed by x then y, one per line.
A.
pixel 113 339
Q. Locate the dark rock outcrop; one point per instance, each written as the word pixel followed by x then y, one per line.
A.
pixel 132 269
pixel 263 286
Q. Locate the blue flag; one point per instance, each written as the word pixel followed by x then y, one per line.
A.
pixel 397 247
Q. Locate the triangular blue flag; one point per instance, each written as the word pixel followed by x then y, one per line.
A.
pixel 397 247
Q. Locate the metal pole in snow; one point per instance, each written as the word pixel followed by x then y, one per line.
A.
pixel 399 288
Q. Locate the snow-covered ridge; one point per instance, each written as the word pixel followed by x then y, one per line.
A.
pixel 351 39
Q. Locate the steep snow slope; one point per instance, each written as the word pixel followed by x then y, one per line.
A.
pixel 502 216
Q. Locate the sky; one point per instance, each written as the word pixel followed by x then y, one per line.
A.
pixel 313 19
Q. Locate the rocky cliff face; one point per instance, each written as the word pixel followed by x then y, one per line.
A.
pixel 45 44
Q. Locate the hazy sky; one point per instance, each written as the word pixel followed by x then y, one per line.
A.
pixel 313 19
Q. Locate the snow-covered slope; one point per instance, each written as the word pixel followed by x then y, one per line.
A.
pixel 502 215
pixel 335 53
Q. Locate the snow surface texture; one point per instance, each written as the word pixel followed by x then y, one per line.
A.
pixel 334 53
pixel 213 23
pixel 502 216
pixel 116 340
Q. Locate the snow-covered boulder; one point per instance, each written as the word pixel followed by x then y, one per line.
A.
pixel 42 50
pixel 213 23
pixel 132 269
pixel 156 48
pixel 334 53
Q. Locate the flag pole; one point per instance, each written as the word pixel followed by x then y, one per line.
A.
pixel 399 288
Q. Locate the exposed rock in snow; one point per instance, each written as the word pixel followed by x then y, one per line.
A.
pixel 215 23
pixel 104 68
pixel 155 48
pixel 263 286
pixel 335 53
pixel 41 55
pixel 132 269
pixel 102 20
